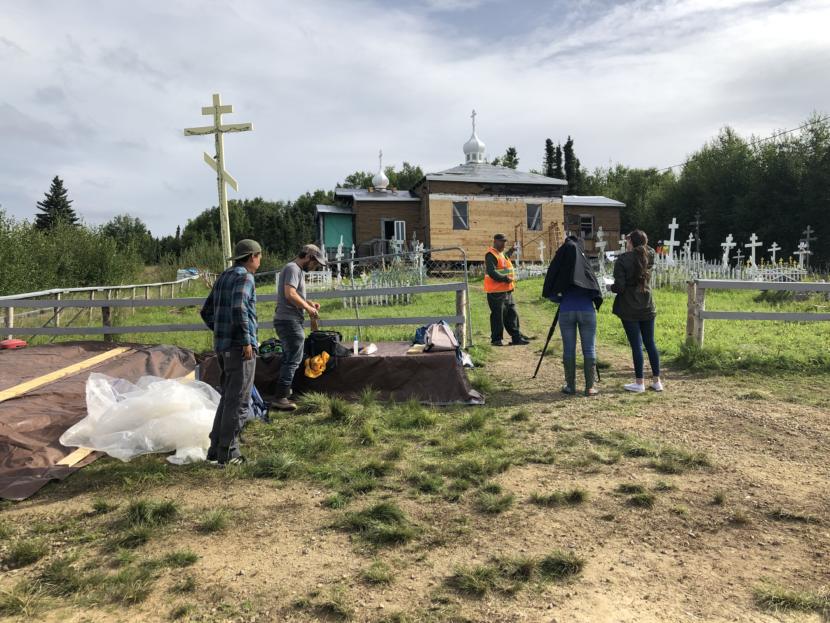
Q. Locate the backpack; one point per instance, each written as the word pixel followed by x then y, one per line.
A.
pixel 440 337
pixel 258 408
pixel 330 342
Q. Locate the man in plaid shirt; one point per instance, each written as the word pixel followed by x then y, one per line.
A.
pixel 230 312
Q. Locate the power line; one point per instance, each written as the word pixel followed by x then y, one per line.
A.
pixel 761 140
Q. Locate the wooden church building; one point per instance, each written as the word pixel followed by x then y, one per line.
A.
pixel 463 207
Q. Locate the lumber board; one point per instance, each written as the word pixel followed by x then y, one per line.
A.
pixel 788 286
pixel 22 388
pixel 778 316
pixel 75 457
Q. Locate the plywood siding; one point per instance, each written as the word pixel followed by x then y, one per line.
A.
pixel 488 216
pixel 368 217
pixel 607 217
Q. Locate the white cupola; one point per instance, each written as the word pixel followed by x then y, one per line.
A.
pixel 474 148
pixel 380 181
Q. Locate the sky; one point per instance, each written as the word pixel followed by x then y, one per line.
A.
pixel 98 92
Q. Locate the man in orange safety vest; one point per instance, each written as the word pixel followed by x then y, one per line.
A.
pixel 499 279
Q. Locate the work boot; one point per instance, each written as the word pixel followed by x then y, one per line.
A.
pixel 570 376
pixel 282 402
pixel 589 367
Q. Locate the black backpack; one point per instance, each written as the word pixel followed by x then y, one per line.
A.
pixel 330 342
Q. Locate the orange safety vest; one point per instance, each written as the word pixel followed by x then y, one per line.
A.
pixel 503 267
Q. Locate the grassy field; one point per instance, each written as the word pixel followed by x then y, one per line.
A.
pixel 705 503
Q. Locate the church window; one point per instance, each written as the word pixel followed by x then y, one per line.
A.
pixel 534 216
pixel 586 226
pixel 460 215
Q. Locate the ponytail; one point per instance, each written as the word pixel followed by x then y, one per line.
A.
pixel 639 241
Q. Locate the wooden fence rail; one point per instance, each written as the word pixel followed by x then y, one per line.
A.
pixel 696 312
pixel 459 319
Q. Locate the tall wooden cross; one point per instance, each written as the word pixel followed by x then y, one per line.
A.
pixel 696 224
pixel 217 162
pixel 727 246
pixel 774 249
pixel 753 242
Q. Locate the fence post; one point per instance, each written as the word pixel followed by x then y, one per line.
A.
pixel 106 317
pixel 691 316
pixel 700 306
pixel 10 320
pixel 461 310
pixel 58 312
pixel 91 298
pixel 146 292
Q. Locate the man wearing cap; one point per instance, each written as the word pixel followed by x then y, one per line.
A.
pixel 230 312
pixel 289 315
pixel 499 278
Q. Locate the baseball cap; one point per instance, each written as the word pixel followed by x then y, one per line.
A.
pixel 244 248
pixel 314 251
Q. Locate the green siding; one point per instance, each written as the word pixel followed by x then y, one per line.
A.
pixel 336 225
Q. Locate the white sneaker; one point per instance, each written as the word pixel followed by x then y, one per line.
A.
pixel 637 388
pixel 657 386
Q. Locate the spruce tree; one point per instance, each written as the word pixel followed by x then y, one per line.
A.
pixel 550 159
pixel 55 207
pixel 558 172
pixel 570 161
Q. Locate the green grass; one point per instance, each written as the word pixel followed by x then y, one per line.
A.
pixel 214 521
pixel 774 597
pixel 378 573
pixel 24 552
pixel 571 497
pixel 382 524
pixel 180 558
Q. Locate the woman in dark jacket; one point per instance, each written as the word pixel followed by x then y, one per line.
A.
pixel 635 307
pixel 570 281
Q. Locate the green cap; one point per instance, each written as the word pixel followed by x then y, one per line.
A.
pixel 244 248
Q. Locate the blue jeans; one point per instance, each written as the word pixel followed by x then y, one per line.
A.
pixel 586 322
pixel 292 338
pixel 641 333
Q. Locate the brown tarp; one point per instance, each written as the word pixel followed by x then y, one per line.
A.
pixel 434 378
pixel 31 424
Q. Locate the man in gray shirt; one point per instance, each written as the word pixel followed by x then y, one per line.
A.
pixel 289 315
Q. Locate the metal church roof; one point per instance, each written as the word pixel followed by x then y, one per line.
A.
pixel 491 173
pixel 329 209
pixel 594 200
pixel 363 194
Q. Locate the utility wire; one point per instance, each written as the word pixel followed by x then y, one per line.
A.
pixel 760 140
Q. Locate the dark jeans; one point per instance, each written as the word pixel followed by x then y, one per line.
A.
pixel 236 380
pixel 292 338
pixel 640 333
pixel 503 316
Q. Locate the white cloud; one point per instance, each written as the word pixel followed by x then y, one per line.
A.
pixel 327 83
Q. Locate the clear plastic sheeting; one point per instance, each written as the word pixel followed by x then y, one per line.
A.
pixel 127 419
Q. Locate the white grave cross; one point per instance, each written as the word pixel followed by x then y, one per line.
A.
pixel 622 244
pixel 753 242
pixel 217 163
pixel 671 242
pixel 774 249
pixel 803 252
pixel 339 257
pixel 687 246
pixel 542 251
pixel 727 246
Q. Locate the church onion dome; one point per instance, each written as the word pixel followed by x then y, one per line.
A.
pixel 474 148
pixel 380 181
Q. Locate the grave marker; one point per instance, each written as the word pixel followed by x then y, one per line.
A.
pixel 753 242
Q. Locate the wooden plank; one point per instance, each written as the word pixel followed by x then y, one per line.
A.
pixel 22 388
pixel 74 457
pixel 797 286
pixel 700 305
pixel 778 316
pixel 380 322
pixel 10 320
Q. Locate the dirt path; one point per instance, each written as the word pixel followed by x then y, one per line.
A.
pixel 758 513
